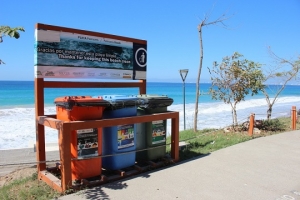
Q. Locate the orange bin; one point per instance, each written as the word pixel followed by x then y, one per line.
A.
pixel 85 143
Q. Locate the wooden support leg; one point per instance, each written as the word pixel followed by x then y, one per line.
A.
pixel 175 138
pixel 40 147
pixel 40 129
pixel 65 157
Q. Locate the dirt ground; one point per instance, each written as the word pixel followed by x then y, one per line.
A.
pixel 17 174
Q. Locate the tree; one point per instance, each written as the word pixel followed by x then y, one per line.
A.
pixel 278 73
pixel 12 32
pixel 234 79
pixel 204 23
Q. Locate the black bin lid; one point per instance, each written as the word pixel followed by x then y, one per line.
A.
pixel 152 101
pixel 121 101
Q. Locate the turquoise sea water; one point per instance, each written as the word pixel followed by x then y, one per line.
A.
pixel 21 93
pixel 17 105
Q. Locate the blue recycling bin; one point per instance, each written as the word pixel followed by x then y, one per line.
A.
pixel 118 140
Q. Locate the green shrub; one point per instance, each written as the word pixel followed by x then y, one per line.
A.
pixel 272 125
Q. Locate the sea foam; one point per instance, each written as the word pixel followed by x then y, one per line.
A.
pixel 17 125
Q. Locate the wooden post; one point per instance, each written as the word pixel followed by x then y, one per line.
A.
pixel 142 87
pixel 65 156
pixel 40 129
pixel 175 138
pixel 293 118
pixel 251 124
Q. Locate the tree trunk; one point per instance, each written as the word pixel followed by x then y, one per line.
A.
pixel 198 79
pixel 235 123
pixel 270 105
pixel 269 111
pixel 234 115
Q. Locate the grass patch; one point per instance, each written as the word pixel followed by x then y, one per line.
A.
pixel 206 141
pixel 28 188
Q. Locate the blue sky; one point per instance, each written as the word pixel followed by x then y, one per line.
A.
pixel 170 28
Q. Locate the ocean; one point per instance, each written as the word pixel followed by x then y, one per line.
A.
pixel 17 124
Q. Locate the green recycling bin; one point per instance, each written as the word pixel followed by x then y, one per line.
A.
pixel 152 135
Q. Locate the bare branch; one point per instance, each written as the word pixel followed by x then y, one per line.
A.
pixel 199 27
pixel 279 59
pixel 219 20
pixel 286 75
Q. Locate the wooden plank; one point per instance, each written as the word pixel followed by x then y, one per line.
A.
pixel 64 84
pixel 50 121
pixel 84 32
pixel 51 180
pixel 75 125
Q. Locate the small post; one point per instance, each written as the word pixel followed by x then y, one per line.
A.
pixel 293 118
pixel 183 74
pixel 251 124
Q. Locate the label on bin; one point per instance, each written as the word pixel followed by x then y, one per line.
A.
pixel 158 132
pixel 87 142
pixel 125 136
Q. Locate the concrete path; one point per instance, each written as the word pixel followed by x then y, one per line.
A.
pixel 264 168
pixel 10 159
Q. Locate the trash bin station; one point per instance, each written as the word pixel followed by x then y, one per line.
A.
pixel 91 127
pixel 119 143
pixel 98 136
pixel 116 145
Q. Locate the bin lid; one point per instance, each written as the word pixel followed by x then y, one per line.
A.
pixel 121 101
pixel 68 102
pixel 154 101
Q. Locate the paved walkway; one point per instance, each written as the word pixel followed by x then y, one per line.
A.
pixel 264 168
pixel 14 157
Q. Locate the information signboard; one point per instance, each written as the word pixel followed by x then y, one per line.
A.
pixel 71 53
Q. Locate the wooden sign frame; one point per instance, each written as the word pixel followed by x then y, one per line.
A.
pixel 66 127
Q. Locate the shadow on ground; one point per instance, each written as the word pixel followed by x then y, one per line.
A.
pixel 98 193
pixel 186 154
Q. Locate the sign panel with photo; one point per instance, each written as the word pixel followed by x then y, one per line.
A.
pixel 71 53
